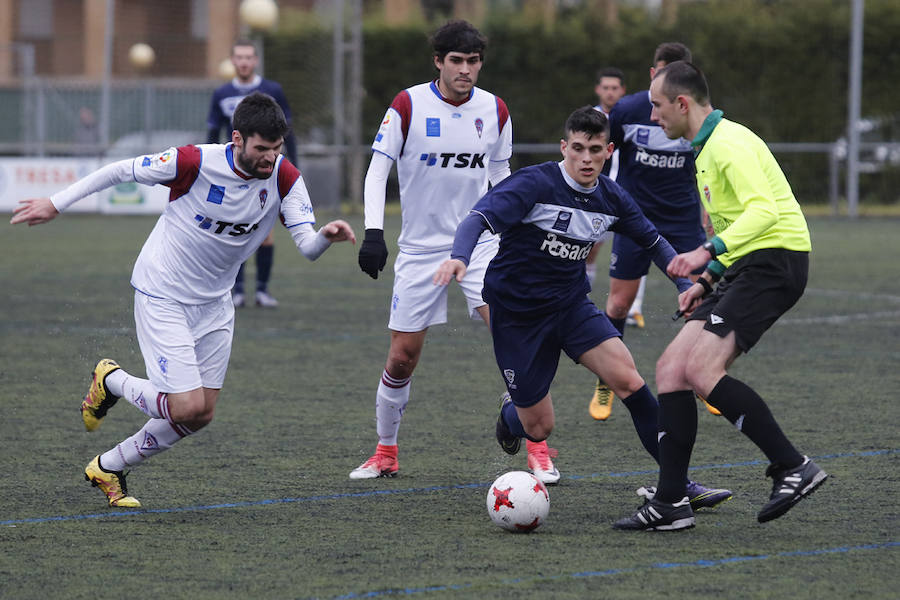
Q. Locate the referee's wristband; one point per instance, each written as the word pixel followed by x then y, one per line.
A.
pixel 707 287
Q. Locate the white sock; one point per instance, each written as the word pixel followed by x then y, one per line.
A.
pixel 638 303
pixel 140 393
pixel 155 436
pixel 390 402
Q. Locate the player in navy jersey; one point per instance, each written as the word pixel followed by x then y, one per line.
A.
pixel 224 200
pixel 224 99
pixel 449 139
pixel 659 175
pixel 548 217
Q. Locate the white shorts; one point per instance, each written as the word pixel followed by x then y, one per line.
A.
pixel 417 303
pixel 185 346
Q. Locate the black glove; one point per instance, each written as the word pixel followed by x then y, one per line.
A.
pixel 373 253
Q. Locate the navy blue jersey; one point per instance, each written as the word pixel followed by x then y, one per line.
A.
pixel 657 171
pixel 547 225
pixel 225 99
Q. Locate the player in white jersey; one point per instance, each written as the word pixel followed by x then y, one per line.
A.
pixel 224 199
pixel 449 140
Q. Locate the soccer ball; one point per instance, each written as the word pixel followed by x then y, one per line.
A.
pixel 518 501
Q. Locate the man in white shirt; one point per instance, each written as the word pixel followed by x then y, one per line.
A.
pixel 223 202
pixel 449 139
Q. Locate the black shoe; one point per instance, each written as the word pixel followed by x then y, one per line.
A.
pixel 659 516
pixel 699 495
pixel 789 486
pixel 505 438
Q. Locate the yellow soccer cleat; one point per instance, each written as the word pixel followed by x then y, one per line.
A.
pixel 601 404
pixel 635 320
pixel 712 409
pixel 98 399
pixel 111 483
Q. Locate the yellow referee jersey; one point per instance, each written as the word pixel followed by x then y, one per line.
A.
pixel 745 192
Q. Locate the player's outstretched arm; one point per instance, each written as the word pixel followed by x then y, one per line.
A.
pixel 450 269
pixel 338 231
pixel 34 211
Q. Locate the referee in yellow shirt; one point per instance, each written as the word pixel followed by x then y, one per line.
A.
pixel 760 259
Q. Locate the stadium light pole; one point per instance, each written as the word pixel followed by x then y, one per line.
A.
pixel 853 107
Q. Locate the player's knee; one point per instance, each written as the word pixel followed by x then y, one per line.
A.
pixel 670 371
pixel 617 308
pixel 191 409
pixel 402 362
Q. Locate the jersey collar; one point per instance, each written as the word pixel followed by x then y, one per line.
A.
pixel 229 156
pixel 709 123
pixel 246 87
pixel 574 184
pixel 437 92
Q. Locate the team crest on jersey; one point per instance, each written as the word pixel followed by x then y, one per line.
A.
pixel 263 196
pixel 479 126
pixel 562 221
pixel 596 223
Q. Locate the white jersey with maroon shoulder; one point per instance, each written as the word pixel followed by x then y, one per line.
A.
pixel 216 218
pixel 443 151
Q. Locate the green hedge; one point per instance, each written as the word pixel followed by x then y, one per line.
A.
pixel 779 67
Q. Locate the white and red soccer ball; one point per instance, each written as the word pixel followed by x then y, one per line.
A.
pixel 518 501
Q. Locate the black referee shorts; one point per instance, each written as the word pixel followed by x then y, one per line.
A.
pixel 753 293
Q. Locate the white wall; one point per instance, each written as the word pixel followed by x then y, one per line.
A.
pixel 22 178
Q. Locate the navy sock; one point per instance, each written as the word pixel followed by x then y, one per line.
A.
pixel 644 411
pixel 264 259
pixel 239 280
pixel 618 324
pixel 677 430
pixel 744 408
pixel 511 418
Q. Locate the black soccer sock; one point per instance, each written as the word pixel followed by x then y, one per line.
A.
pixel 264 259
pixel 744 408
pixel 677 430
pixel 618 324
pixel 239 281
pixel 644 411
pixel 511 418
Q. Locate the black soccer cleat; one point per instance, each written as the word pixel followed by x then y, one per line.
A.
pixel 655 515
pixel 790 486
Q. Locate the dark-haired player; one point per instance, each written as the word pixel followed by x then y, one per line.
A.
pixel 548 216
pixel 450 139
pixel 224 200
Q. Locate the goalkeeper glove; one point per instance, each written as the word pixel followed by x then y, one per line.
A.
pixel 373 253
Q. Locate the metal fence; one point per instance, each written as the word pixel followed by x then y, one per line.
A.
pixel 61 117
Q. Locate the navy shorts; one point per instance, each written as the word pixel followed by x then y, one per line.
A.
pixel 630 261
pixel 754 292
pixel 528 347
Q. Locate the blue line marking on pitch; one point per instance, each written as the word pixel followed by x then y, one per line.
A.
pixel 368 493
pixel 610 572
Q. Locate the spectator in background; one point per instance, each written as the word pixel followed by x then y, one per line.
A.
pixel 87 134
pixel 224 100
